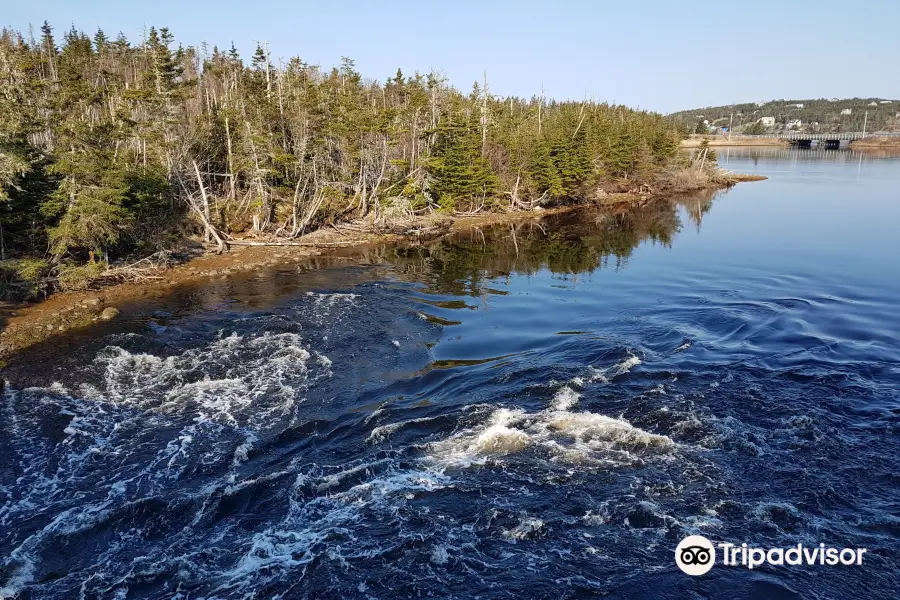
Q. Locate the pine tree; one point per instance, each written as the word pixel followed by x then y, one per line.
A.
pixel 544 172
pixel 99 140
pixel 459 170
pixel 100 41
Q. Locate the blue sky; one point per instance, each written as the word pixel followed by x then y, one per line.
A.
pixel 663 55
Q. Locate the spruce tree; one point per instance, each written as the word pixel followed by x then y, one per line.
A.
pixel 459 170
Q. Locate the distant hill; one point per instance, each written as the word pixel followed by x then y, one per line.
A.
pixel 821 115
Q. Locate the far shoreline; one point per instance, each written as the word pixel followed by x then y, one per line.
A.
pixel 874 142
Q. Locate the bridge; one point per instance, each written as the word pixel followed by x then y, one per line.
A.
pixel 806 139
pixel 822 137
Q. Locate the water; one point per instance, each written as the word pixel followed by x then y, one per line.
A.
pixel 539 411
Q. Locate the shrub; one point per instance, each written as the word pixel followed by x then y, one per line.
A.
pixel 80 277
pixel 23 279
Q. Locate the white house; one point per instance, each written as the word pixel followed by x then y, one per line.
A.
pixel 793 123
pixel 799 105
pixel 767 121
pixel 873 103
pixel 847 111
pixel 884 102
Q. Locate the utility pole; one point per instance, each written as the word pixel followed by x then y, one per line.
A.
pixel 865 122
pixel 730 123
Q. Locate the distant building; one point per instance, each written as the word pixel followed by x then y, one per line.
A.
pixel 767 121
pixel 884 102
pixel 847 111
pixel 800 105
pixel 794 123
pixel 873 104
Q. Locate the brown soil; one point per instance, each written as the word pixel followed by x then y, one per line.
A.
pixel 27 324
pixel 742 177
pixel 877 143
pixel 719 140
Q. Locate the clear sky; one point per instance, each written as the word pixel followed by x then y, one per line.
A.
pixel 664 55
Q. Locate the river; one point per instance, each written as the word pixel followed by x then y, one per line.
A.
pixel 542 410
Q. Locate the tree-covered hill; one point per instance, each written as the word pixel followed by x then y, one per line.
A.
pixel 110 146
pixel 819 115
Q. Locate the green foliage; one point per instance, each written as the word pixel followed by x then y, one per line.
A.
pixel 78 277
pixel 706 154
pixel 94 222
pixel 108 148
pixel 459 170
pixel 544 172
pixel 21 279
pixel 756 128
pixel 821 115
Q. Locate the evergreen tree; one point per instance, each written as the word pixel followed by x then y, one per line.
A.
pixel 544 172
pixel 104 147
pixel 100 41
pixel 459 170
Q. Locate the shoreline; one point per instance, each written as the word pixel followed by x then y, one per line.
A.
pixel 867 143
pixel 720 141
pixel 876 143
pixel 28 324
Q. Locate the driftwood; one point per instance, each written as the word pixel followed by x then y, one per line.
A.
pixel 425 232
pixel 289 243
pixel 411 230
pixel 430 232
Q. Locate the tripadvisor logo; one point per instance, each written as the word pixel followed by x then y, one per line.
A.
pixel 696 555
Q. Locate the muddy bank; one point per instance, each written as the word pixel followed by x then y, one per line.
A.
pixel 877 143
pixel 720 140
pixel 25 325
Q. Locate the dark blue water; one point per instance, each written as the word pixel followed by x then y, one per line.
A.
pixel 536 411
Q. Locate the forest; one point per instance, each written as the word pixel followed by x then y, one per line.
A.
pixel 815 115
pixel 111 148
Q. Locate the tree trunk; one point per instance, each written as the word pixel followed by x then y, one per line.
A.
pixel 231 193
pixel 221 246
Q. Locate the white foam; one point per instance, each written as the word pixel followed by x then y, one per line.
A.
pixel 626 365
pixel 565 435
pixel 528 527
pixel 383 432
pixel 20 578
pixel 565 398
pixel 224 396
pixel 592 428
pixel 241 453
pixel 439 555
pixel 500 439
pixel 321 526
pixel 237 381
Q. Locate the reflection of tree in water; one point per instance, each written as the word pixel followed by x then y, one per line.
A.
pixel 697 205
pixel 581 241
